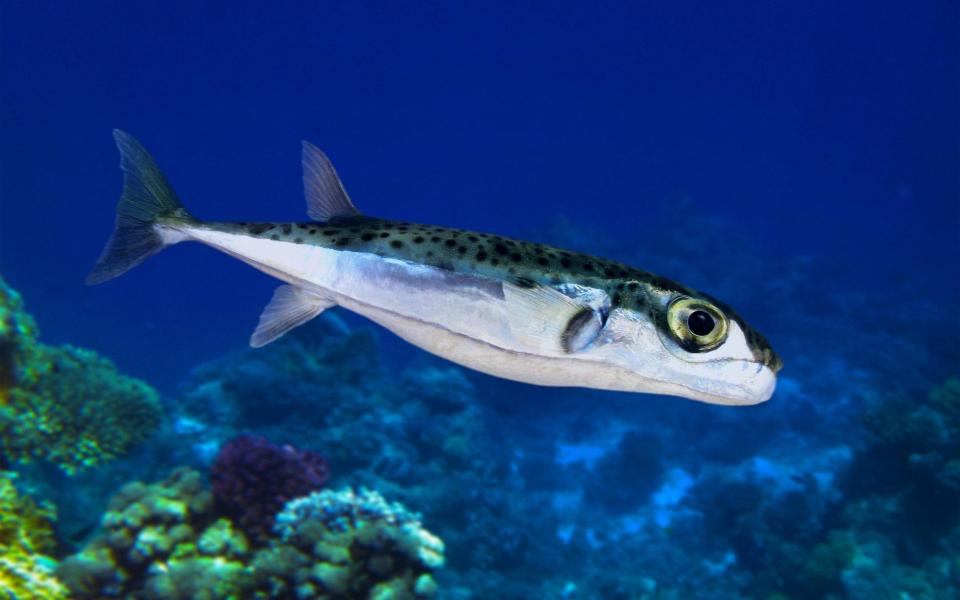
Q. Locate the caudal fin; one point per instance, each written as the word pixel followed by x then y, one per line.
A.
pixel 147 198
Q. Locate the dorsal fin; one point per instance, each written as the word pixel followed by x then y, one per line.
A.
pixel 326 198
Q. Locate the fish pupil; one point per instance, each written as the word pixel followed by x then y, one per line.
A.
pixel 700 322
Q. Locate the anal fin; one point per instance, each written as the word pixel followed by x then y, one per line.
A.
pixel 289 308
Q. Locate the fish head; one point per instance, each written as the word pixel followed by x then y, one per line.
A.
pixel 687 344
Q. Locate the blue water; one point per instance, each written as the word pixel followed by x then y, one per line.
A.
pixel 799 160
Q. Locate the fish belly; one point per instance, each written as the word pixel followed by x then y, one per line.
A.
pixel 458 316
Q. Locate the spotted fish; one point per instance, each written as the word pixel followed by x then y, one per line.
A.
pixel 513 309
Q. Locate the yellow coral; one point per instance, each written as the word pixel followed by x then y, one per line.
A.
pixel 63 404
pixel 25 535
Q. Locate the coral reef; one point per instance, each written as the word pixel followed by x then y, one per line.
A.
pixel 167 540
pixel 65 405
pixel 26 540
pixel 252 479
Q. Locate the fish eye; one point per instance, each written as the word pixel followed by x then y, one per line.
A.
pixel 700 323
pixel 696 325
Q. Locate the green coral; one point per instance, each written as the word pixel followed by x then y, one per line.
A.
pixel 357 545
pixel 161 541
pixel 165 540
pixel 63 404
pixel 26 537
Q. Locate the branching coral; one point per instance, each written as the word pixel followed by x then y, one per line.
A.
pixel 26 536
pixel 64 404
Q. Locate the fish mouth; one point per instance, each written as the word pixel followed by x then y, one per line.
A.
pixel 756 389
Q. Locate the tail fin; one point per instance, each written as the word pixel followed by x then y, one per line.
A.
pixel 146 198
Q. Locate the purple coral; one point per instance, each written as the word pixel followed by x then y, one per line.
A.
pixel 252 479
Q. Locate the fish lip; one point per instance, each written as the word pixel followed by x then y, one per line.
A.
pixel 758 390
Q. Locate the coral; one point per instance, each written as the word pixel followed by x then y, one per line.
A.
pixel 166 540
pixel 26 537
pixel 146 529
pixel 359 546
pixel 65 405
pixel 912 455
pixel 18 334
pixel 252 479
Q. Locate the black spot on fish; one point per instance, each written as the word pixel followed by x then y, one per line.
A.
pixel 343 241
pixel 565 262
pixel 286 228
pixel 501 249
pixel 543 262
pixel 587 267
pixel 329 231
pixel 662 282
pixel 515 257
pixel 385 234
pixel 481 256
pixel 435 239
pixel 450 243
pixel 312 231
pixel 494 261
pixel 473 238
pixel 462 249
pixel 366 237
pixel 396 244
pixel 418 240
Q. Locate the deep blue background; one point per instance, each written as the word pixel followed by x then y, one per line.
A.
pixel 819 128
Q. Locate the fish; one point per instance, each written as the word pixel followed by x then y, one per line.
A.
pixel 513 309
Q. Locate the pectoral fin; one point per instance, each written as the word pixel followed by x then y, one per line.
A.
pixel 548 321
pixel 289 308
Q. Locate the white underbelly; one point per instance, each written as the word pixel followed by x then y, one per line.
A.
pixel 460 317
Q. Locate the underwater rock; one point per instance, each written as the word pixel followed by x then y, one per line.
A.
pixel 65 405
pixel 26 541
pixel 252 479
